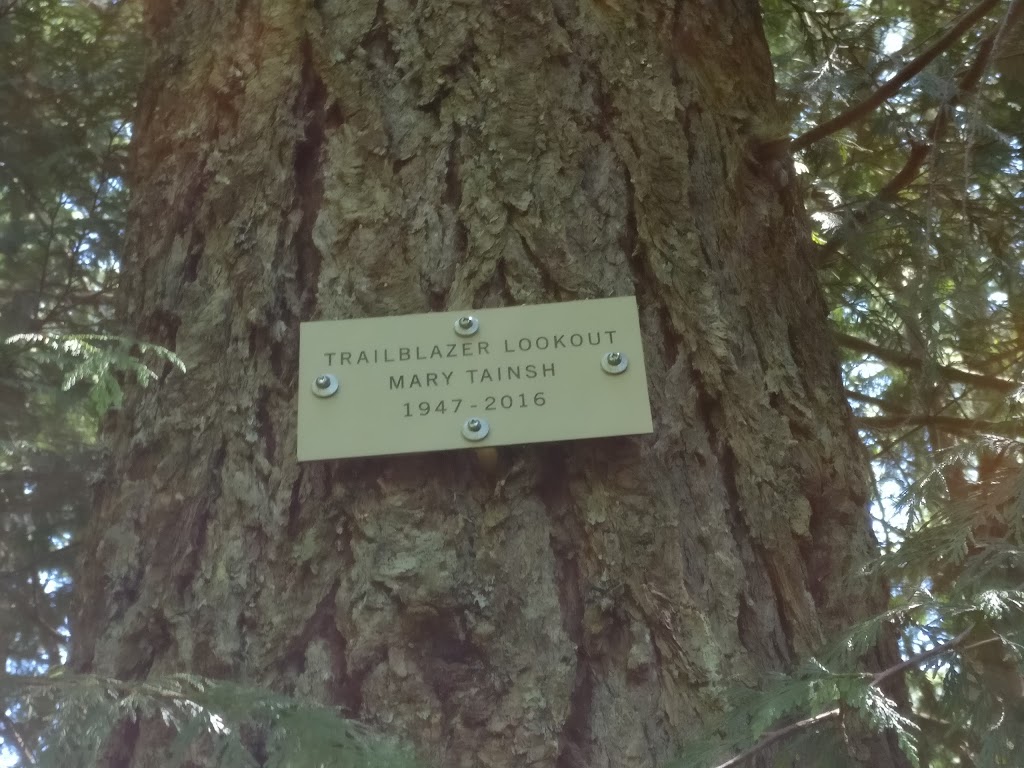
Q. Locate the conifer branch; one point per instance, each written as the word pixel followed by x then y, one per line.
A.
pixel 22 748
pixel 810 722
pixel 860 397
pixel 893 84
pixel 1014 17
pixel 923 656
pixel 920 151
pixel 947 423
pixel 121 687
pixel 311 733
pixel 906 360
pixel 772 736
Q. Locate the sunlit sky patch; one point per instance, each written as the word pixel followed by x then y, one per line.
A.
pixel 893 41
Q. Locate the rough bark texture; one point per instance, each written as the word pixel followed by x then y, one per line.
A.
pixel 583 604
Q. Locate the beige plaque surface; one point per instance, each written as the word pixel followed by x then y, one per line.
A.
pixel 528 374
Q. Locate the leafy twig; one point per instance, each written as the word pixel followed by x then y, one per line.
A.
pixel 922 657
pixel 948 423
pixel 809 722
pixel 905 360
pixel 1014 17
pixel 920 151
pixel 17 739
pixel 772 736
pixel 893 84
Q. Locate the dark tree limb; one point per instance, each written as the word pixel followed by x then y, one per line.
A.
pixel 1008 30
pixel 810 722
pixel 15 738
pixel 891 86
pixel 947 423
pixel 906 360
pixel 920 151
pixel 859 397
pixel 923 656
pixel 773 736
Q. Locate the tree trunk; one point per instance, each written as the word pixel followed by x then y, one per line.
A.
pixel 574 604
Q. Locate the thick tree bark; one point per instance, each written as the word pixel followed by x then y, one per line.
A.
pixel 581 604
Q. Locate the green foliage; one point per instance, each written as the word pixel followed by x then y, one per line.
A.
pixel 67 74
pixel 831 692
pixel 918 223
pixel 919 229
pixel 206 722
pixel 96 359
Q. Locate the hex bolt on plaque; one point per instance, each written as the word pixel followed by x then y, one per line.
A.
pixel 475 429
pixel 467 325
pixel 325 385
pixel 614 362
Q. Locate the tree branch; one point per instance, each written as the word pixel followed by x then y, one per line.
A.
pixel 1014 17
pixel 17 739
pixel 906 360
pixel 32 615
pixel 920 151
pixel 892 85
pixel 860 397
pixel 947 423
pixel 773 736
pixel 923 656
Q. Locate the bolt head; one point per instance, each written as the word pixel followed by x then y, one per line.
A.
pixel 473 425
pixel 614 362
pixel 467 325
pixel 323 382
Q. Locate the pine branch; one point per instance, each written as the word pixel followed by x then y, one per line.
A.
pixel 11 729
pixel 860 397
pixel 772 736
pixel 921 657
pixel 893 84
pixel 299 732
pixel 947 423
pixel 1014 17
pixel 906 360
pixel 810 722
pixel 920 151
pixel 122 687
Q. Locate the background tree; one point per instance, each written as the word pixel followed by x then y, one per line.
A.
pixel 919 214
pixel 66 84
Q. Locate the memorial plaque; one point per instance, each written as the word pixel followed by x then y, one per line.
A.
pixel 486 377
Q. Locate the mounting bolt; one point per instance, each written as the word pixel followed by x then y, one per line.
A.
pixel 325 385
pixel 467 325
pixel 475 429
pixel 614 362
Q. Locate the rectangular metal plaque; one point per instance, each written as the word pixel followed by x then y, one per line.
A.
pixel 427 382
